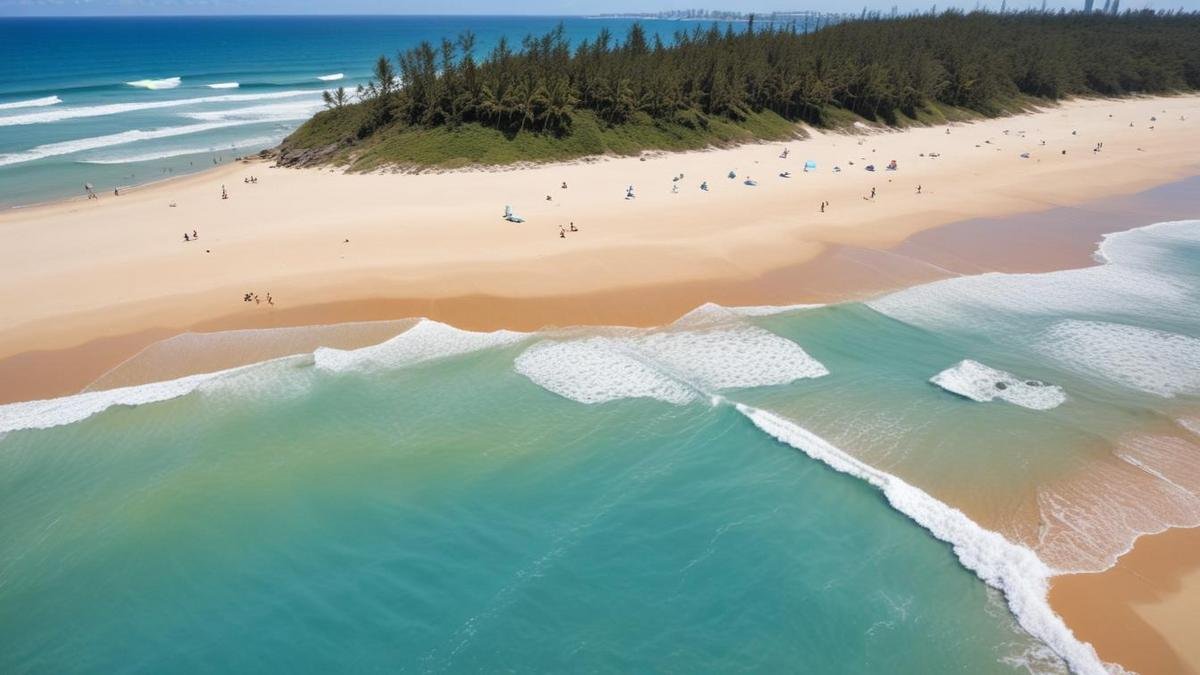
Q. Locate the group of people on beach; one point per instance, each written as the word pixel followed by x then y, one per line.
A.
pixel 194 236
pixel 251 296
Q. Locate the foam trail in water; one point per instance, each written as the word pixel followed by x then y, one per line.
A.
pixel 1010 568
pixel 69 147
pixel 597 370
pixel 224 85
pixel 1158 362
pixel 333 77
pixel 60 114
pixel 32 103
pixel 70 409
pixel 164 83
pixel 276 112
pixel 425 341
pixel 978 382
pixel 258 141
pixel 673 365
pixel 1134 281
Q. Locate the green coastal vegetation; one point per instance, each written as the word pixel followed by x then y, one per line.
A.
pixel 444 106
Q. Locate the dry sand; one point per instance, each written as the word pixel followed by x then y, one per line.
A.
pixel 82 270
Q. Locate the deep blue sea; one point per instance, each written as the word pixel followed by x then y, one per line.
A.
pixel 124 101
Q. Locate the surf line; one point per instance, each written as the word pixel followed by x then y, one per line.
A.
pixel 1013 569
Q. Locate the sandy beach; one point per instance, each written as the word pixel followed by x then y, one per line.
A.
pixel 86 284
pixel 331 247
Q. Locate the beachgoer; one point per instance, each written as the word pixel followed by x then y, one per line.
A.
pixel 547 197
pixel 185 237
pixel 918 189
pixel 270 300
pixel 564 185
pixel 573 228
pixel 872 193
pixel 704 186
pixel 194 235
pixel 822 207
pixel 256 300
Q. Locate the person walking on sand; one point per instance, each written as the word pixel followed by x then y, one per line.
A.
pixel 918 189
pixel 872 193
pixel 270 300
pixel 224 194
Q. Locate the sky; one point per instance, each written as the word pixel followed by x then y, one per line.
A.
pixel 550 7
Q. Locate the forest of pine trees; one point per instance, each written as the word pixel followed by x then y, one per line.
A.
pixel 880 69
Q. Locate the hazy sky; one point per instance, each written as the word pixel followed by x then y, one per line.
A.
pixel 176 7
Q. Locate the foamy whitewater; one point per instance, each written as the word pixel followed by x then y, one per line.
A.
pixel 636 479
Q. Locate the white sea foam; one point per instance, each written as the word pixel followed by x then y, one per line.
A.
pixel 1192 424
pixel 224 85
pixel 671 365
pixel 1134 281
pixel 333 77
pixel 70 409
pixel 978 382
pixel 257 141
pixel 1150 483
pixel 597 370
pixel 1158 362
pixel 60 114
pixel 274 112
pixel 164 83
pixel 710 312
pixel 425 341
pixel 31 103
pixel 79 145
pixel 1010 568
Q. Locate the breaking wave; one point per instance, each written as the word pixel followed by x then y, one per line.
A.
pixel 223 85
pixel 258 141
pixel 164 83
pixel 1014 570
pixel 79 145
pixel 275 112
pixel 60 114
pixel 676 366
pixel 333 77
pixel 31 103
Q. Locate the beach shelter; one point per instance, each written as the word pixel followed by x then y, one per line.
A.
pixel 810 165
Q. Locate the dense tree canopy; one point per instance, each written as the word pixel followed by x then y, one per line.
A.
pixel 879 68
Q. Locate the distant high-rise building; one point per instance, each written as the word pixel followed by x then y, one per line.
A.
pixel 1116 6
pixel 1087 6
pixel 1106 5
pixel 1043 6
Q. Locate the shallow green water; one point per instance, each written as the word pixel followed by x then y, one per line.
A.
pixel 594 500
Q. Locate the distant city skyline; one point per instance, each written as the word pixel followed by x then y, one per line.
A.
pixel 9 8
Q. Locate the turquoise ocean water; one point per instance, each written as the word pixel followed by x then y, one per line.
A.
pixel 750 489
pixel 124 101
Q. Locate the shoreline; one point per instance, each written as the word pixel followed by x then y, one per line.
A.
pixel 1141 612
pixel 77 271
pixel 844 263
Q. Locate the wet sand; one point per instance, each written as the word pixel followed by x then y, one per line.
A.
pixel 1144 613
